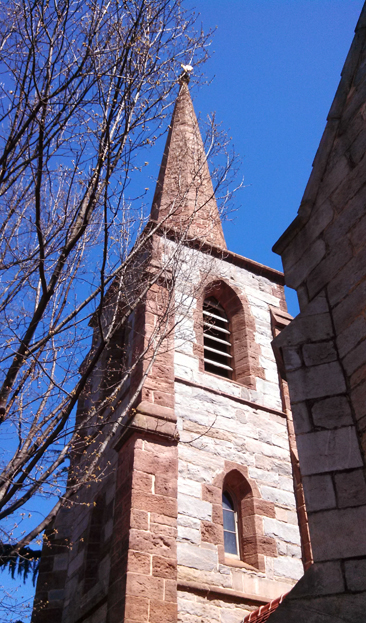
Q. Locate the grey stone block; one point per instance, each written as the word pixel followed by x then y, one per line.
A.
pixel 316 382
pixel 319 492
pixel 197 557
pixel 331 450
pixel 356 574
pixel 338 533
pixel 315 354
pixel 332 412
pixel 350 488
pixel 322 578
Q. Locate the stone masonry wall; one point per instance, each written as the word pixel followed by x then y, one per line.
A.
pixel 225 426
pixel 147 542
pixel 324 352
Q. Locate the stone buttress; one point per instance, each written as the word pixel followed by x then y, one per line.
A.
pixel 324 354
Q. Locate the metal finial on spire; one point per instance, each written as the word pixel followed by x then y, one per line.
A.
pixel 185 77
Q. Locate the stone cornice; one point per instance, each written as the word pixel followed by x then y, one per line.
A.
pixel 276 276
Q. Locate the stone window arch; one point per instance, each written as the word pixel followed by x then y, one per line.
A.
pixel 243 351
pixel 253 546
pixel 236 484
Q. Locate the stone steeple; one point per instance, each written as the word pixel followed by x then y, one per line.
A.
pixel 192 516
pixel 184 195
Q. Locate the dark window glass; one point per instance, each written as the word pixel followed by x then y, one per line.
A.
pixel 230 528
pixel 230 543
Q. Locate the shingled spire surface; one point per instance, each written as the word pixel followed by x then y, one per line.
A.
pixel 184 197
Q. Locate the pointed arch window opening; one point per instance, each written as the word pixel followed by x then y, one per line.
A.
pixel 230 520
pixel 216 339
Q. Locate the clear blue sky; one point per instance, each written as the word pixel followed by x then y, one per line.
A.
pixel 275 66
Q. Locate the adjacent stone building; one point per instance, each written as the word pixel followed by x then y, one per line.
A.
pixel 197 516
pixel 323 351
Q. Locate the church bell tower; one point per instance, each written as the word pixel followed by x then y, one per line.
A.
pixel 200 517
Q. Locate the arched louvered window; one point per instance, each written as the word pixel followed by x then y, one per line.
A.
pixel 216 339
pixel 231 541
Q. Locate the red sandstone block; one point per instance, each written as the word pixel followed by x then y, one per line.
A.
pixel 170 591
pixel 211 533
pixel 139 519
pixel 211 494
pixel 157 528
pixel 149 319
pixel 163 612
pixel 157 518
pixel 142 481
pixel 138 563
pixel 154 503
pixel 148 543
pixel 161 449
pixel 166 485
pixel 266 546
pixel 217 514
pixel 151 464
pixel 164 399
pixel 146 395
pixel 158 384
pixel 136 609
pixel 252 525
pixel 161 370
pixel 164 567
pixel 144 586
pixel 256 506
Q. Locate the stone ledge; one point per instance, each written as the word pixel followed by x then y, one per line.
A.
pixel 162 413
pixel 235 562
pixel 148 418
pixel 224 593
pixel 219 392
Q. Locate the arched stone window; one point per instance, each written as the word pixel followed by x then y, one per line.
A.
pixel 216 339
pixel 239 496
pixel 225 335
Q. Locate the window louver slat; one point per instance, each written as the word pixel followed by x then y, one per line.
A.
pixel 212 326
pixel 207 313
pixel 219 365
pixel 219 352
pixel 216 339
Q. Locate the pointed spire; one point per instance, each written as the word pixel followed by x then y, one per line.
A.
pixel 184 189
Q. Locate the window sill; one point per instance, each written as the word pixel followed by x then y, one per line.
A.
pixel 235 562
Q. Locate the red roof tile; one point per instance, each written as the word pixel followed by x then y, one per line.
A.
pixel 262 614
